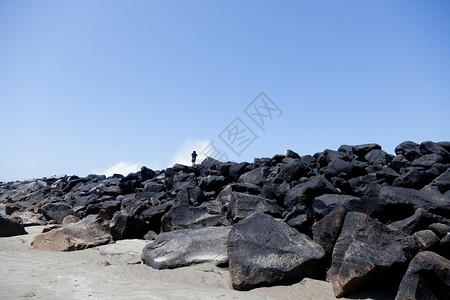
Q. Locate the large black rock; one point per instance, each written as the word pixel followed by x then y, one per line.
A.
pixel 243 205
pixel 11 227
pixel 367 253
pixel 186 247
pixel 427 277
pixel 263 251
pixel 57 211
pixel 304 193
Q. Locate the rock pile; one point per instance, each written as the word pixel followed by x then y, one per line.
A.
pixel 357 215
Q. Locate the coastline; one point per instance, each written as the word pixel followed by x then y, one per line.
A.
pixel 115 271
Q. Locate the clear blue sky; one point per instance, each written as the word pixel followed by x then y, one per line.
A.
pixel 85 85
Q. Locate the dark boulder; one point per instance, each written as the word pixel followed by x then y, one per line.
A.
pixel 108 208
pixel 291 154
pixel 413 179
pixel 56 211
pixel 133 207
pixel 300 218
pixel 255 176
pixel 152 216
pixel 326 231
pixel 428 240
pixel 184 181
pixel 187 247
pixel 433 148
pixel 212 183
pixel 387 174
pixel 236 170
pixel 305 192
pixel 409 150
pixel 427 161
pixel 427 277
pixel 442 182
pixel 274 188
pixel 344 169
pixel 378 157
pixel 146 174
pixel 263 251
pixel 325 204
pixel 191 217
pixel 243 205
pixel 419 221
pixel 246 188
pixel 359 150
pixel 440 229
pixel 11 226
pixel 124 226
pixel 154 187
pixel 389 204
pixel 293 170
pixel 368 253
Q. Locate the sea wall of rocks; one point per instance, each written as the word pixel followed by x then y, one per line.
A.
pixel 357 215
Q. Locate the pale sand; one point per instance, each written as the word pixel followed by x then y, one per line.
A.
pixel 112 272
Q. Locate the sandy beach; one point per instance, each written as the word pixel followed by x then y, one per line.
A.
pixel 115 271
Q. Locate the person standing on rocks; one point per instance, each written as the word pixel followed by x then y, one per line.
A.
pixel 194 157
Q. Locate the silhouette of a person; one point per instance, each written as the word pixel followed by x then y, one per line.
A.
pixel 194 156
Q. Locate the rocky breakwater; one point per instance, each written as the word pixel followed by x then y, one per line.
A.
pixel 357 216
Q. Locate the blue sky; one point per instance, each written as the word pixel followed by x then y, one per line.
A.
pixel 86 85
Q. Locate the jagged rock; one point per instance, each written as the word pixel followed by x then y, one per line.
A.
pixel 304 193
pixel 108 209
pixel 325 204
pixel 154 214
pixel 378 157
pixel 293 170
pixel 184 181
pixel 326 231
pixel 368 252
pixel 246 188
pixel 191 217
pixel 133 207
pixel 440 229
pixel 29 218
pixel 263 251
pixel 124 226
pixel 236 170
pixel 275 188
pixel 388 174
pixel 419 221
pixel 359 150
pixel 57 211
pixel 187 247
pixel 154 187
pixel 243 205
pixel 427 277
pixel 212 183
pixel 433 148
pixel 409 150
pixel 360 185
pixel 291 154
pixel 146 174
pixel 390 204
pixel 75 236
pixel 11 226
pixel 299 218
pixel 344 169
pixel 427 161
pixel 255 176
pixel 442 182
pixel 10 208
pixel 427 239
